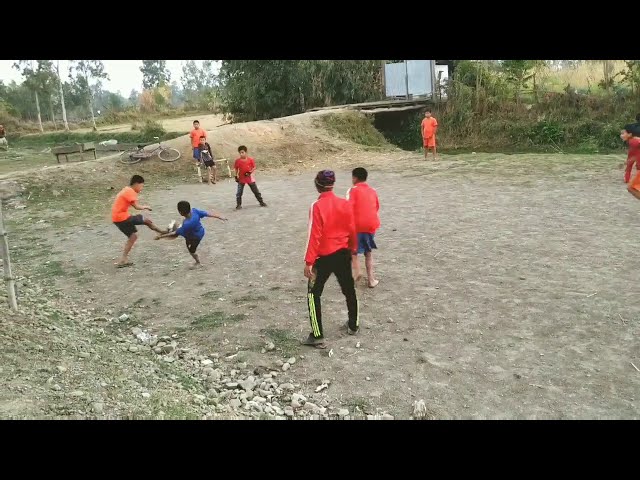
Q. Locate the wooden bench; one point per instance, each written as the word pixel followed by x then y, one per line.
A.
pixel 80 148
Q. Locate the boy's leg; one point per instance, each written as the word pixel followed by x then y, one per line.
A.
pixel 141 220
pixel 192 246
pixel 368 262
pixel 355 263
pixel 239 192
pixel 210 175
pixel 315 288
pixel 256 192
pixel 127 248
pixel 341 266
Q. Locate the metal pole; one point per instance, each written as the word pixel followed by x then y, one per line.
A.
pixel 6 261
pixel 406 77
pixel 433 80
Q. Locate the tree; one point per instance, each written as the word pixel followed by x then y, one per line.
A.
pixel 64 109
pixel 154 73
pixel 518 72
pixel 199 84
pixel 31 81
pixel 259 89
pixel 86 72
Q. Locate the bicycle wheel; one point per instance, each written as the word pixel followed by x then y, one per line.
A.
pixel 167 154
pixel 130 157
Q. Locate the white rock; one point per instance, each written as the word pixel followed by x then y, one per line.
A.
pixel 206 362
pixel 286 366
pixel 343 412
pixel 291 361
pixel 61 368
pixel 358 345
pixel 270 346
pixel 77 393
pixel 98 407
pixel 124 317
pixel 146 395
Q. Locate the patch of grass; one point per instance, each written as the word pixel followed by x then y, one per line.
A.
pixel 52 268
pixel 362 403
pixel 212 320
pixel 285 341
pixel 249 299
pixel 52 139
pixel 354 127
pixel 212 294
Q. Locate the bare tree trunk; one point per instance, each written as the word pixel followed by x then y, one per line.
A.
pixel 64 110
pixel 52 114
pixel 39 116
pixel 93 118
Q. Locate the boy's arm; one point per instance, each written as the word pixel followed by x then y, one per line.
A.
pixel 137 206
pixel 633 192
pixel 211 214
pixel 315 233
pixel 353 235
pixel 627 170
pixel 171 235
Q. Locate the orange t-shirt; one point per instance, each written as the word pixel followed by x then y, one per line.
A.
pixel 124 199
pixel 195 137
pixel 429 127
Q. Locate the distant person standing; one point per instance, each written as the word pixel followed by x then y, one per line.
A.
pixel 429 127
pixel 195 136
pixel 244 168
pixel 3 138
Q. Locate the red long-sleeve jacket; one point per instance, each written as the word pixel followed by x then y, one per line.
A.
pixel 331 227
pixel 633 157
pixel 366 205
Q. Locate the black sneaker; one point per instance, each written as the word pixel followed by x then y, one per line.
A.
pixel 314 342
pixel 239 207
pixel 349 331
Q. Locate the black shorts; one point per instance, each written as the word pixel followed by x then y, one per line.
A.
pixel 208 162
pixel 192 244
pixel 128 227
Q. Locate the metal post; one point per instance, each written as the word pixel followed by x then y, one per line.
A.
pixel 406 77
pixel 433 80
pixel 6 261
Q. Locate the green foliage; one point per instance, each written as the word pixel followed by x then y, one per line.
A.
pixel 262 89
pixel 200 85
pixel 152 129
pixel 145 135
pixel 354 127
pixel 155 73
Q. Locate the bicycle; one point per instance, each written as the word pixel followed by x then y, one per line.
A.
pixel 135 155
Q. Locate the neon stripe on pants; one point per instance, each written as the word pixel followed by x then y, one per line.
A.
pixel 312 316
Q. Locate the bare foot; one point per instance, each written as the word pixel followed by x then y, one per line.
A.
pixel 373 284
pixel 195 266
pixel 357 277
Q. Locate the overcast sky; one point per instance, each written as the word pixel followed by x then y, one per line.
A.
pixel 124 75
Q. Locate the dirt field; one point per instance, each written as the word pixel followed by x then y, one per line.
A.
pixel 181 124
pixel 505 285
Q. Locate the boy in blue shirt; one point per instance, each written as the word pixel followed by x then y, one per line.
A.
pixel 191 229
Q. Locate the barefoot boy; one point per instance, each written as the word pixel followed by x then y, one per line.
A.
pixel 244 168
pixel 429 127
pixel 126 223
pixel 191 229
pixel 366 205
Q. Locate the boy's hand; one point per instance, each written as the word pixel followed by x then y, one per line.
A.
pixel 308 272
pixel 236 179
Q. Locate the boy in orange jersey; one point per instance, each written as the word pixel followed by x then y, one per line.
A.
pixel 126 223
pixel 195 136
pixel 366 205
pixel 429 127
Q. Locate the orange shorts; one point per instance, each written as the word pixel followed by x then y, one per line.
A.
pixel 635 182
pixel 429 142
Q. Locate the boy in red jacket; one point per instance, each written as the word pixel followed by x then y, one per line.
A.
pixel 331 242
pixel 366 205
pixel 244 168
pixel 633 157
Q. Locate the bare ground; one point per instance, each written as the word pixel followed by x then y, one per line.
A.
pixel 505 285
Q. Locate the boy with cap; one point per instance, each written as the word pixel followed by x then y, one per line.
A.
pixel 331 242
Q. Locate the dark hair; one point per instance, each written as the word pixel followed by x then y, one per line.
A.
pixel 242 147
pixel 184 207
pixel 136 179
pixel 196 121
pixel 202 136
pixel 360 173
pixel 325 179
pixel 428 110
pixel 638 118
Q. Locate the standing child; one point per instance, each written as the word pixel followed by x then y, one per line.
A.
pixel 633 157
pixel 3 138
pixel 191 229
pixel 366 206
pixel 244 168
pixel 429 127
pixel 206 159
pixel 195 135
pixel 331 243
pixel 126 223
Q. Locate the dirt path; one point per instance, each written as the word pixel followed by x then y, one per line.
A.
pixel 502 295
